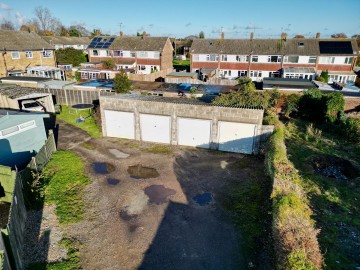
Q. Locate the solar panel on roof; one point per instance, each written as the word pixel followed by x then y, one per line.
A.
pixel 101 43
pixel 335 47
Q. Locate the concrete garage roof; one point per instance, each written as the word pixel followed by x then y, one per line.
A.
pixel 179 100
pixel 24 79
pixel 16 92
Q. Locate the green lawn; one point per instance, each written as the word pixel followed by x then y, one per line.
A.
pixel 64 180
pixel 177 62
pixel 89 125
pixel 336 203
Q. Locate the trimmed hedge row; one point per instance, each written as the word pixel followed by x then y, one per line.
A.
pixel 295 237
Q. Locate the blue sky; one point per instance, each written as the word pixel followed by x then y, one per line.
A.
pixel 237 18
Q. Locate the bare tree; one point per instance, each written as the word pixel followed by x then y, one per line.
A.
pixel 47 22
pixel 7 25
pixel 339 35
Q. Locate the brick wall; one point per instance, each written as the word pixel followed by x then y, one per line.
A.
pixel 23 62
pixel 167 56
pixel 334 67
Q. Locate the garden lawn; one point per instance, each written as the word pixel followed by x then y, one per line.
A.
pixel 335 202
pixel 89 125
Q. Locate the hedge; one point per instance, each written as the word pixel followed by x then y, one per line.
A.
pixel 294 233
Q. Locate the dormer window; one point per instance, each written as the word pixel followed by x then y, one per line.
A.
pixel 301 44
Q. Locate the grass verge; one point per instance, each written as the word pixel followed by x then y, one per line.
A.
pixel 336 202
pixel 159 149
pixel 89 125
pixel 64 180
pixel 248 202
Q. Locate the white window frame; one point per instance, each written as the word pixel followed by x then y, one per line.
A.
pixel 29 54
pixel 348 60
pixel 143 54
pixel 156 55
pixel 118 53
pixel 84 75
pixel 141 67
pixel 93 75
pixel 242 73
pixel 312 58
pixel 286 59
pixel 278 59
pixel 224 58
pixel 15 55
pixel 195 58
pixel 132 54
pixel 242 58
pixel 256 73
pixel 108 53
pixel 95 54
pixel 254 59
pixel 17 129
pixel 212 57
pixel 47 54
pixel 327 60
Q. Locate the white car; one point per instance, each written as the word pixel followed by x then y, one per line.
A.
pixel 31 105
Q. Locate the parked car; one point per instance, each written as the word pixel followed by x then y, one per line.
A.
pixel 31 105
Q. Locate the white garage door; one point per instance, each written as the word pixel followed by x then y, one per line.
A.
pixel 194 132
pixel 120 124
pixel 236 137
pixel 155 128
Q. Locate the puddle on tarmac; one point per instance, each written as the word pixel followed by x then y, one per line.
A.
pixel 140 172
pixel 158 194
pixel 124 215
pixel 112 181
pixel 203 199
pixel 103 167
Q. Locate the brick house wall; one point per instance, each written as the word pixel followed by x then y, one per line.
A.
pixel 166 56
pixel 23 62
pixel 334 67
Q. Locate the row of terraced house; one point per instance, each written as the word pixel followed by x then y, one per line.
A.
pixel 26 53
pixel 289 58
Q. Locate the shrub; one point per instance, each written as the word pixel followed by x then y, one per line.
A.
pixel 247 95
pixel 351 129
pixel 313 134
pixel 334 104
pixel 70 56
pixel 325 75
pixel 109 64
pixel 295 238
pixel 318 107
pixel 291 104
pixel 122 84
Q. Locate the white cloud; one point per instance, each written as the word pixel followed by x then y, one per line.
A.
pixel 5 7
pixel 20 19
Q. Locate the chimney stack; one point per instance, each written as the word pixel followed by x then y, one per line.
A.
pixel 144 35
pixel 283 36
pixel 97 33
pixel 222 35
pixel 251 35
pixel 121 34
pixel 318 35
